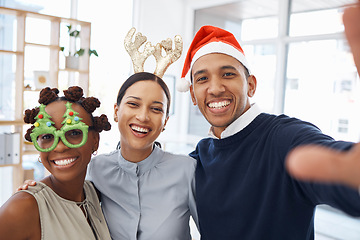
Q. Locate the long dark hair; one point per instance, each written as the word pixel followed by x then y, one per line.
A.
pixel 144 76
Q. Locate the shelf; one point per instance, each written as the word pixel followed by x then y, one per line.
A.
pixel 27 152
pixel 9 165
pixel 10 122
pixel 27 58
pixel 11 52
pixel 42 45
pixel 31 90
pixel 73 70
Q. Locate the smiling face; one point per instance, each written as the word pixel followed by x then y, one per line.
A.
pixel 220 89
pixel 141 117
pixel 63 162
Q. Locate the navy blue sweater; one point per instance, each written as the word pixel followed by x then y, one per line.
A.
pixel 244 192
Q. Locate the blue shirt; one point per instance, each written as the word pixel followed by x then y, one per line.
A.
pixel 151 199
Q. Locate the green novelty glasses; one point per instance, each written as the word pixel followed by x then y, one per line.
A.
pixel 45 136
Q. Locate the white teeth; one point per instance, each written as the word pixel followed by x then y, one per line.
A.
pixel 140 129
pixel 64 162
pixel 219 104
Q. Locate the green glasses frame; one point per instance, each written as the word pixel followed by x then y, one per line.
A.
pixel 44 125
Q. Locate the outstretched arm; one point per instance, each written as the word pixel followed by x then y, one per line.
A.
pixel 323 164
pixel 351 19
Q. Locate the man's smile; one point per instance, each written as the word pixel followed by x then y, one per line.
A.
pixel 218 105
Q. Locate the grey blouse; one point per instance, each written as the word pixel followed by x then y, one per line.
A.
pixel 149 200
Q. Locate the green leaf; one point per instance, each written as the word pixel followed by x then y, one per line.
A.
pixel 74 33
pixel 93 52
pixel 80 52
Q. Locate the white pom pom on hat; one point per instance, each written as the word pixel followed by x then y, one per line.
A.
pixel 183 85
pixel 210 39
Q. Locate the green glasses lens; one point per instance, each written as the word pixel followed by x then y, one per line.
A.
pixel 74 136
pixel 46 140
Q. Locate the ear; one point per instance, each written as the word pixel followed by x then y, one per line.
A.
pixel 96 140
pixel 252 83
pixel 192 94
pixel 116 109
pixel 167 118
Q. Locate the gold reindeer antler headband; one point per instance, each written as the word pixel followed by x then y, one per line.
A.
pixel 162 62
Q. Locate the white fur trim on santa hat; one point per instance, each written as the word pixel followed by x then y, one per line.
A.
pixel 220 47
pixel 183 85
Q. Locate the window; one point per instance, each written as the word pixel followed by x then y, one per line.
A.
pixel 343 125
pixel 315 22
pixel 49 7
pixel 326 85
pixel 262 59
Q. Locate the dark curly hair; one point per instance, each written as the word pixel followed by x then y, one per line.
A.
pixel 72 94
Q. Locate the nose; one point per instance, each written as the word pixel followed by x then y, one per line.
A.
pixel 60 147
pixel 216 86
pixel 142 115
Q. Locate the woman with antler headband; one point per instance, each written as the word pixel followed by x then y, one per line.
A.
pixel 146 193
pixel 62 205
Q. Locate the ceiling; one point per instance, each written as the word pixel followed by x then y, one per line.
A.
pixel 243 9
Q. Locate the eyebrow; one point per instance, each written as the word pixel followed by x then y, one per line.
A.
pixel 221 68
pixel 228 67
pixel 199 72
pixel 137 98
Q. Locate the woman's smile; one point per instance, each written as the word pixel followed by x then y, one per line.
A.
pixel 64 162
pixel 140 129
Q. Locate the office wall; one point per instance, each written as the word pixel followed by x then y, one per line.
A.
pixel 158 20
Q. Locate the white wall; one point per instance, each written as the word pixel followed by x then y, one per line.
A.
pixel 158 20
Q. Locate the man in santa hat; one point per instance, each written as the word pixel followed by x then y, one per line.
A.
pixel 243 190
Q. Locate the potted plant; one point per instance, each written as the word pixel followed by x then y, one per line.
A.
pixel 72 59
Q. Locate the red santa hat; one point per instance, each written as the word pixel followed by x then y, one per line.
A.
pixel 210 39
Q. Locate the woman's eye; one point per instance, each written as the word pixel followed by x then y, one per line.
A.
pixel 132 104
pixel 46 137
pixel 75 132
pixel 156 109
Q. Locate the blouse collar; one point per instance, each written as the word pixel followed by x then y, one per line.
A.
pixel 143 166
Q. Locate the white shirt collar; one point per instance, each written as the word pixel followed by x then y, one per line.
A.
pixel 240 123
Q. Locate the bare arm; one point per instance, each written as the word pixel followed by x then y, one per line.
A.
pixel 19 218
pixel 351 19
